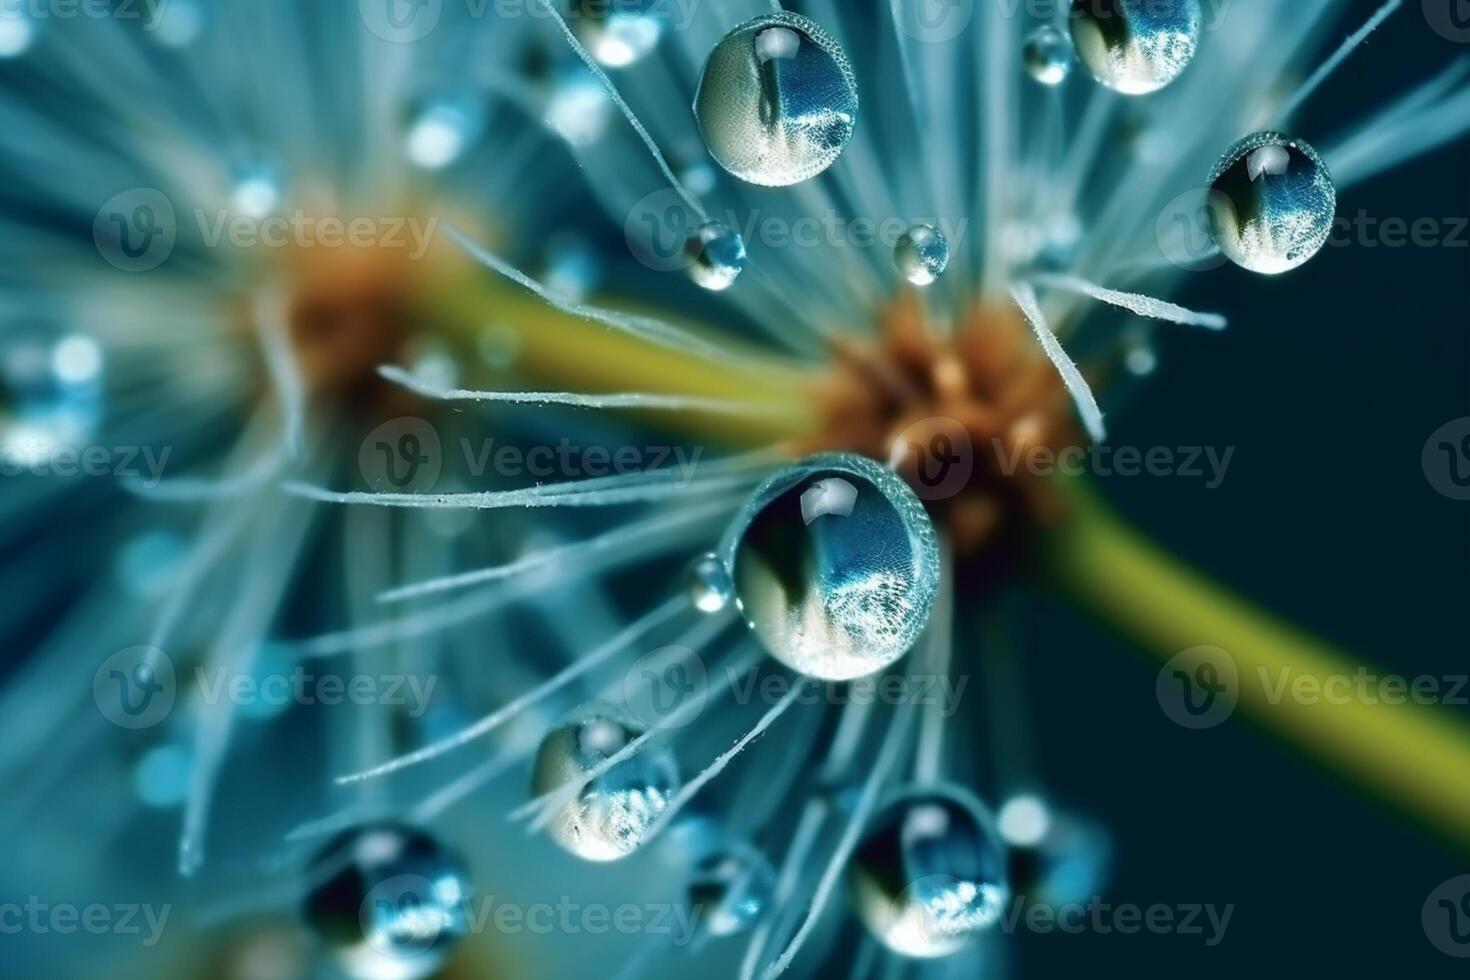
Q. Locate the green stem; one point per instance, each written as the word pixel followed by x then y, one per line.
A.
pixel 1415 756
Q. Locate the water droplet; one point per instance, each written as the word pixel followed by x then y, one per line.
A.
pixel 388 901
pixel 579 109
pixel 573 268
pixel 257 191
pixel 777 101
pixel 50 391
pixel 930 874
pixel 614 813
pixel 718 255
pixel 1023 821
pixel 709 584
pixel 836 565
pixel 1136 46
pixel 1067 864
pixel 616 37
pixel 161 778
pixel 17 31
pixel 1272 203
pixel 730 889
pixel 177 23
pixel 442 131
pixel 1048 56
pixel 921 254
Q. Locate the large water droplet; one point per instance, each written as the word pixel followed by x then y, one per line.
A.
pixel 614 813
pixel 777 101
pixel 50 391
pixel 730 889
pixel 1272 203
pixel 388 901
pixel 921 254
pixel 930 874
pixel 718 256
pixel 710 587
pixel 1048 56
pixel 835 565
pixel 1136 46
pixel 616 37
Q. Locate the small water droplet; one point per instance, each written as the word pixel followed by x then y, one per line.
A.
pixel 387 900
pixel 257 191
pixel 17 31
pixel 579 109
pixel 1136 46
pixel 442 131
pixel 777 101
pixel 836 566
pixel 613 814
pixel 616 37
pixel 1048 56
pixel 710 587
pixel 921 254
pixel 730 889
pixel 1272 203
pixel 718 256
pixel 930 874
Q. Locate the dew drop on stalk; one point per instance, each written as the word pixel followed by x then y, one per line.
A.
pixel 717 256
pixel 613 814
pixel 442 131
pixel 387 901
pixel 835 565
pixel 921 254
pixel 618 35
pixel 1272 203
pixel 930 874
pixel 1136 46
pixel 1047 56
pixel 730 889
pixel 777 101
pixel 710 588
